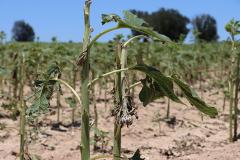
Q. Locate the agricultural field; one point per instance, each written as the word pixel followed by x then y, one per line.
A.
pixel 181 132
pixel 132 98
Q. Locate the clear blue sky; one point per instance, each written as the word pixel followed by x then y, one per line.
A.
pixel 64 18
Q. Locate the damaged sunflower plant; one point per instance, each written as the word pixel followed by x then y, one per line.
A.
pixel 154 85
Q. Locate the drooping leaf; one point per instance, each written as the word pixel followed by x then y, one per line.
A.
pixel 44 90
pixel 149 92
pixel 131 21
pixel 194 99
pixel 53 70
pixel 106 18
pixel 41 102
pixel 160 85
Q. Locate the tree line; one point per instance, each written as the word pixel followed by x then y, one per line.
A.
pixel 173 24
pixel 169 22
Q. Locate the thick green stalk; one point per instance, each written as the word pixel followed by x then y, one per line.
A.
pixel 118 92
pixel 231 94
pixel 122 53
pixel 85 137
pixel 233 87
pixel 117 142
pixel 22 110
pixel 120 86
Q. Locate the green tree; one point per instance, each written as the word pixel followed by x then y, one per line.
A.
pixel 169 22
pixel 206 27
pixel 22 32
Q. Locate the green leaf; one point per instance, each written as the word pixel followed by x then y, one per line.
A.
pixel 149 92
pixel 233 27
pixel 194 99
pixel 159 86
pixel 131 21
pixel 53 70
pixel 228 28
pixel 41 102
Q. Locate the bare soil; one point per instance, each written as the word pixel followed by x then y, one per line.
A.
pixel 192 137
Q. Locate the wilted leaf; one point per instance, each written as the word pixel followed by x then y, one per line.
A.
pixel 44 90
pixel 157 85
pixel 161 85
pixel 131 21
pixel 40 104
pixel 193 98
pixel 106 18
pixel 149 92
pixel 53 71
